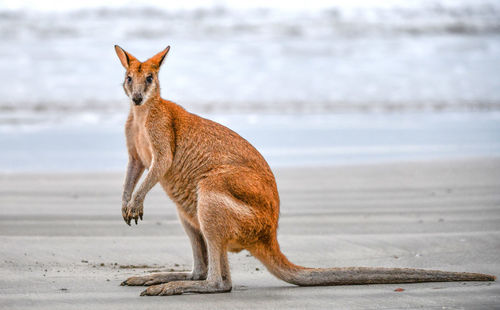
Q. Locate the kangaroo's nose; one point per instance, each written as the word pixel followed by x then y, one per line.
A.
pixel 137 99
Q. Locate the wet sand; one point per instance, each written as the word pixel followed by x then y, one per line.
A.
pixel 63 244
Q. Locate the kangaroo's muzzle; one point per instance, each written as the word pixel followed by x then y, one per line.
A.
pixel 137 99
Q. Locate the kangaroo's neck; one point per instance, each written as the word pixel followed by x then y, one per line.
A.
pixel 141 112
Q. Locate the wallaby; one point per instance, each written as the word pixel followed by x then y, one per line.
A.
pixel 225 194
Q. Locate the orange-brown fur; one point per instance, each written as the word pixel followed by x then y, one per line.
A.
pixel 225 193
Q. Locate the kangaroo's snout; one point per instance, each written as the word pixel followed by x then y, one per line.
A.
pixel 137 99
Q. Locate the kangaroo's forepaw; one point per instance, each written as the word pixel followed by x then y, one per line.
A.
pixel 134 210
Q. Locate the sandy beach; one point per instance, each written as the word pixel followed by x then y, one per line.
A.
pixel 65 246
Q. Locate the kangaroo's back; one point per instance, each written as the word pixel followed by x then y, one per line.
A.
pixel 208 145
pixel 202 148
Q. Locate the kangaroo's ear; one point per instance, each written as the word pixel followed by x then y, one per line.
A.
pixel 158 58
pixel 125 57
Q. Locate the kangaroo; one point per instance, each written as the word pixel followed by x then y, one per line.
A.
pixel 225 194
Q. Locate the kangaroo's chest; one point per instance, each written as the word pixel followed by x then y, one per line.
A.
pixel 143 145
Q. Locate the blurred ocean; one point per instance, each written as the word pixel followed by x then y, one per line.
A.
pixel 258 56
pixel 358 62
pixel 288 140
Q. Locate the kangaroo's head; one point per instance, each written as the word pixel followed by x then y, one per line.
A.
pixel 141 79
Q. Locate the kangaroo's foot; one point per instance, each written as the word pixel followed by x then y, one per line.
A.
pixel 158 278
pixel 180 287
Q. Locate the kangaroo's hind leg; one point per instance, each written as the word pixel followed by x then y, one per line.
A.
pixel 200 262
pixel 216 230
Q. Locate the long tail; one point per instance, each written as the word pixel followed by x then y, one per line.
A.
pixel 277 263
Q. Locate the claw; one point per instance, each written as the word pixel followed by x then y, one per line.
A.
pixel 124 283
pixel 135 220
pixel 143 293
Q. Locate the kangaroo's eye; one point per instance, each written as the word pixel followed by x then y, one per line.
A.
pixel 149 79
pixel 129 79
